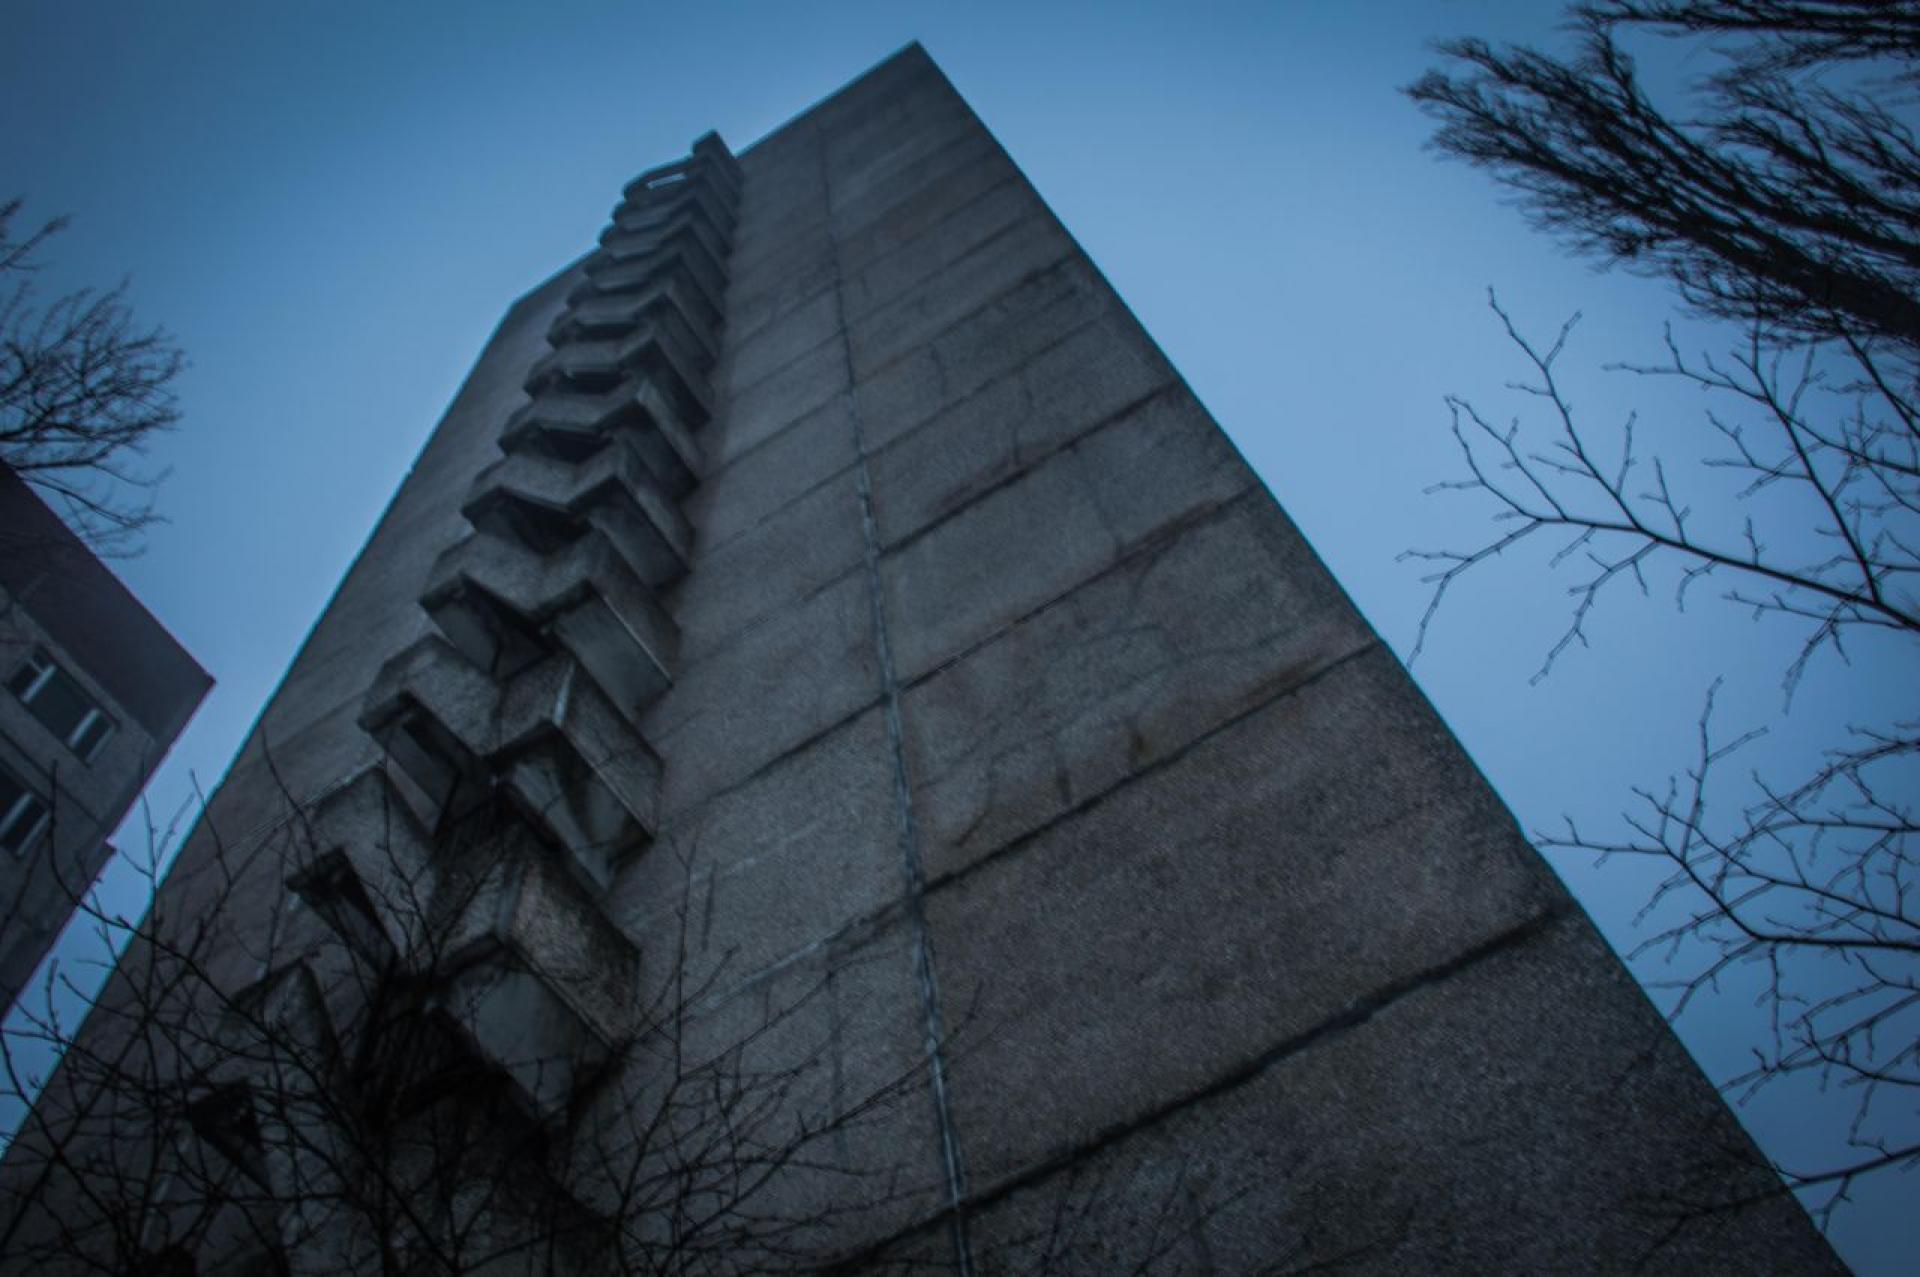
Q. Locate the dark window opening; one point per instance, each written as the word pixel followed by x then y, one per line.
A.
pixel 225 1119
pixel 23 814
pixel 62 705
pixel 332 889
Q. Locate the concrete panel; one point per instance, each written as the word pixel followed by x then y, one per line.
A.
pixel 778 685
pixel 878 120
pixel 945 185
pixel 789 394
pixel 993 278
pixel 781 191
pixel 1248 891
pixel 798 853
pixel 1529 1113
pixel 783 207
pixel 924 253
pixel 1119 675
pixel 1160 464
pixel 1064 391
pixel 902 150
pixel 733 435
pixel 984 346
pixel 762 262
pixel 841 1034
pixel 1033 538
pixel 789 1116
pixel 757 301
pixel 771 566
pixel 764 253
pixel 753 358
pixel 760 480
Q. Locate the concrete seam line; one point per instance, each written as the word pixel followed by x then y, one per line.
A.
pixel 1353 1015
pixel 914 884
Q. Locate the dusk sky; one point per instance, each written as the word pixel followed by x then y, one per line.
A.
pixel 332 205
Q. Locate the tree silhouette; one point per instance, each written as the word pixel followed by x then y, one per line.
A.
pixel 360 1081
pixel 1784 203
pixel 377 1076
pixel 83 390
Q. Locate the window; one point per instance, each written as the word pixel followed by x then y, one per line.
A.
pixel 331 886
pixel 227 1118
pixel 23 816
pixel 59 701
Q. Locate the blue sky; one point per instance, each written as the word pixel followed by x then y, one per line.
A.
pixel 331 205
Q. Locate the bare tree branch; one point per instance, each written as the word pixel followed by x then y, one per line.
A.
pixel 83 390
pixel 1791 207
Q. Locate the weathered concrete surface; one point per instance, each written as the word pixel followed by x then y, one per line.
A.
pixel 1246 891
pixel 1522 1112
pixel 1133 666
pixel 1228 936
pixel 1032 537
pixel 1011 716
pixel 805 849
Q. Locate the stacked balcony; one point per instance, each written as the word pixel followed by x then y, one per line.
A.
pixel 552 640
pixel 472 863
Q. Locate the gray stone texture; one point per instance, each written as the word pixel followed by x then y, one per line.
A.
pixel 1236 897
pixel 1524 1114
pixel 1008 702
pixel 779 685
pixel 1193 856
pixel 806 849
pixel 788 556
pixel 1128 670
pixel 766 473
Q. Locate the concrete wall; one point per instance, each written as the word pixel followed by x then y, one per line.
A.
pixel 1024 764
pixel 1008 691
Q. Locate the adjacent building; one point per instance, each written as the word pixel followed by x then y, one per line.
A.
pixel 95 691
pixel 831 758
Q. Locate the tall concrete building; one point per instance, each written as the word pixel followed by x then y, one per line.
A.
pixel 96 691
pixel 831 758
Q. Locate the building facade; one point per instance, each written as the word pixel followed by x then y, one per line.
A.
pixel 832 759
pixel 96 690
